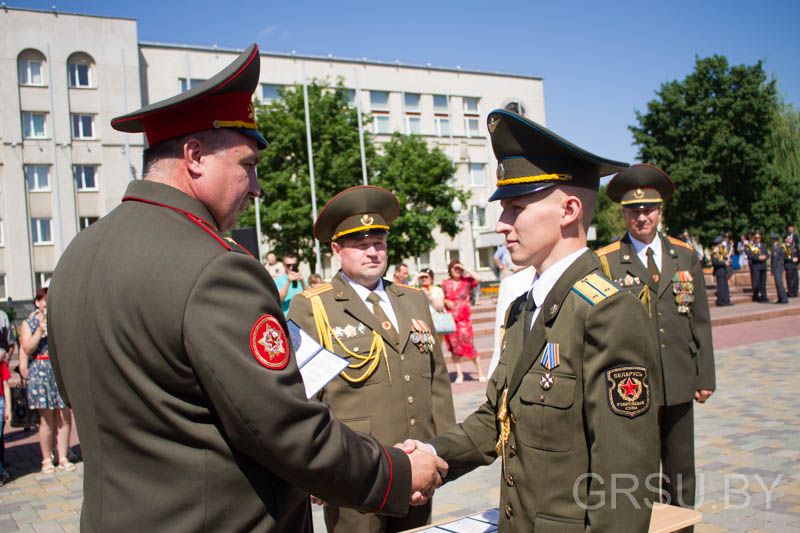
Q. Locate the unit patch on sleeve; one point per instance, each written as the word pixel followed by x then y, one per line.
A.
pixel 628 391
pixel 269 344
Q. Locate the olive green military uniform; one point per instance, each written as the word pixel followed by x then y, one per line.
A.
pixel 684 342
pixel 409 398
pixel 168 342
pixel 570 439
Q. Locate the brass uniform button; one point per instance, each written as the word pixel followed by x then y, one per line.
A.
pixel 509 511
pixel 410 399
pixel 510 480
pixel 541 398
pixel 514 448
pixel 355 349
pixel 407 378
pixel 661 330
pixel 412 422
pixel 663 346
pixel 402 357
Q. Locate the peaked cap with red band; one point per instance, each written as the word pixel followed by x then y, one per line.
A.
pixel 224 101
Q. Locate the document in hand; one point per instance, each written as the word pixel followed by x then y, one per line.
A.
pixel 317 365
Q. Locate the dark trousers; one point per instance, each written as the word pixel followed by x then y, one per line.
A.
pixel 348 520
pixel 778 276
pixel 791 280
pixel 759 277
pixel 677 454
pixel 723 290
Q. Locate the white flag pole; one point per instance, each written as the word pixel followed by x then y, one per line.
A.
pixel 318 267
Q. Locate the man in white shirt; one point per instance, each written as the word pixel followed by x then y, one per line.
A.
pixel 510 289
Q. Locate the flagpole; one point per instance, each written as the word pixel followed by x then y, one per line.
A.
pixel 360 129
pixel 318 267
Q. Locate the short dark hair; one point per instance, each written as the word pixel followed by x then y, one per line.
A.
pixel 173 148
pixel 400 265
pixel 40 294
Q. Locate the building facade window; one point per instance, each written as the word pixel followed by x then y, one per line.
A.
pixel 424 260
pixel 37 177
pixel 442 126
pixel 441 103
pixel 379 100
pixel 485 255
pixel 34 125
pixel 79 71
pixel 30 68
pixel 471 105
pixel 82 126
pixel 42 279
pixel 477 174
pixel 413 125
pixel 186 84
pixel 452 255
pixel 2 234
pixel 85 222
pixel 40 231
pixel 472 126
pixel 411 101
pixel 350 96
pixel 478 216
pixel 381 125
pixel 85 177
pixel 3 292
pixel 269 93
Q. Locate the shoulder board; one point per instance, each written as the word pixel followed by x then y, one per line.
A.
pixel 678 242
pixel 404 286
pixel 613 247
pixel 594 288
pixel 319 289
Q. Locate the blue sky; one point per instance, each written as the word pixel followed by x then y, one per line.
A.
pixel 600 61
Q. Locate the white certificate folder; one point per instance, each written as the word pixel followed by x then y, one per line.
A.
pixel 317 365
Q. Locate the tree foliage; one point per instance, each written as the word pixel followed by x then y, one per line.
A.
pixel 419 176
pixel 715 133
pixel 607 219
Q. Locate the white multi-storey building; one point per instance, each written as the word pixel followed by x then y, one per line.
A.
pixel 62 165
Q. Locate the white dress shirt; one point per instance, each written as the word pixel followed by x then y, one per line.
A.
pixel 641 250
pixel 545 281
pixel 385 304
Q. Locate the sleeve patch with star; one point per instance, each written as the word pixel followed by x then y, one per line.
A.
pixel 628 390
pixel 268 343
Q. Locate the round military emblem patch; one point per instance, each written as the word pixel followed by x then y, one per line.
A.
pixel 269 344
pixel 628 391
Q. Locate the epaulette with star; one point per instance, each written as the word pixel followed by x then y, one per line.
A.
pixel 605 250
pixel 319 289
pixel 594 288
pixel 678 242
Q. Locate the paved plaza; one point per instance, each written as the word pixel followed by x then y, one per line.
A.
pixel 748 439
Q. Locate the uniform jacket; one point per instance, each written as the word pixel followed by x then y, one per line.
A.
pixel 182 429
pixel 563 435
pixel 777 259
pixel 752 257
pixel 791 258
pixel 684 339
pixel 417 401
pixel 719 260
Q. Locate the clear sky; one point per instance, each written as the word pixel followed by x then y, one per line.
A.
pixel 600 61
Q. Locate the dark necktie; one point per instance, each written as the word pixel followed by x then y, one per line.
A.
pixel 651 265
pixel 530 310
pixel 379 313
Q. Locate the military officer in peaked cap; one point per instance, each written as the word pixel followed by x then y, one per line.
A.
pixel 571 409
pixel 666 275
pixel 396 385
pixel 168 341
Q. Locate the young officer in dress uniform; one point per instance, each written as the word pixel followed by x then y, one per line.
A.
pixel 757 257
pixel 168 341
pixel 572 408
pixel 777 266
pixel 720 260
pixel 790 264
pixel 396 385
pixel 666 275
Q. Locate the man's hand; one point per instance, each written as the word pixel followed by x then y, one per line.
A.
pixel 427 470
pixel 702 395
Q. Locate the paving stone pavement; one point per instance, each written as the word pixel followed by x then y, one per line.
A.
pixel 748 455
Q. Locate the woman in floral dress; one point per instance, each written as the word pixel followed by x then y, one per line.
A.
pixel 461 343
pixel 54 415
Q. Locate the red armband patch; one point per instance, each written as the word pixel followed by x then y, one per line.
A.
pixel 269 344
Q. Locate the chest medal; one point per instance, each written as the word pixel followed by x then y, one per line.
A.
pixel 683 288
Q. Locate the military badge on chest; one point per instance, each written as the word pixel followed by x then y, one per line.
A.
pixel 628 390
pixel 550 359
pixel 683 288
pixel 421 336
pixel 628 281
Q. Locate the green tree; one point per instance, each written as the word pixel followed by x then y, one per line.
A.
pixel 419 176
pixel 779 206
pixel 713 133
pixel 607 219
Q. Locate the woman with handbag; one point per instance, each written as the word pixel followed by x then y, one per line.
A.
pixel 461 343
pixel 54 415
